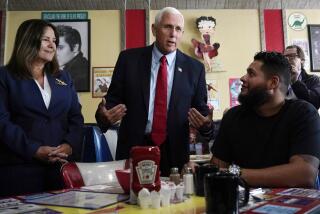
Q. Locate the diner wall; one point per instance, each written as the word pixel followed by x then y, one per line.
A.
pixel 312 17
pixel 235 53
pixel 240 32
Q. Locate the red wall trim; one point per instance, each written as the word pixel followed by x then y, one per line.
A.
pixel 135 28
pixel 273 30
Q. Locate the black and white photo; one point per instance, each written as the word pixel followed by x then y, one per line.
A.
pixel 73 52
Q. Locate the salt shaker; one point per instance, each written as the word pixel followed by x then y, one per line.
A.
pixel 174 175
pixel 188 181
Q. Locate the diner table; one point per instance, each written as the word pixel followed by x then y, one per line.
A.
pixel 193 205
pixel 292 200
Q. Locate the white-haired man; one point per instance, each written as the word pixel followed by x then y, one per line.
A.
pixel 153 108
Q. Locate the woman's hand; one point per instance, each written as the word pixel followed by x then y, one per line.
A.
pixel 60 153
pixel 53 154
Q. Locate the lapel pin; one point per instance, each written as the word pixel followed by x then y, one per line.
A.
pixel 179 69
pixel 60 82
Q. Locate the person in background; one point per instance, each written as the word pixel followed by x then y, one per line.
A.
pixel 267 140
pixel 40 116
pixel 302 85
pixel 133 95
pixel 71 58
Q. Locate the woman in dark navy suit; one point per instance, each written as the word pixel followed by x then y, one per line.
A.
pixel 40 116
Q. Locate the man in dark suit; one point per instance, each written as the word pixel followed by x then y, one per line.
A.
pixel 132 95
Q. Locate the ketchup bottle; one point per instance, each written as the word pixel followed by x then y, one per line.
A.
pixel 145 163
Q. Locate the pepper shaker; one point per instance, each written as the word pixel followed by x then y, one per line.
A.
pixel 174 175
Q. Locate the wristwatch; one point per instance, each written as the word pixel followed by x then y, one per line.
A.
pixel 235 169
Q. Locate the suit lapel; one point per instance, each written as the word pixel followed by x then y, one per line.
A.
pixel 34 101
pixel 51 83
pixel 145 69
pixel 54 91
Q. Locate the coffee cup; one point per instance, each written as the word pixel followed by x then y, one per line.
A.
pixel 200 171
pixel 222 193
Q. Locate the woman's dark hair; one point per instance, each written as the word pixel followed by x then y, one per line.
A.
pixel 26 48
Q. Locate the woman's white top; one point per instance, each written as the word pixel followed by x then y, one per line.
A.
pixel 45 91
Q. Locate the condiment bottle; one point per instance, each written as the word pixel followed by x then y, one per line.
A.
pixel 145 163
pixel 188 181
pixel 174 175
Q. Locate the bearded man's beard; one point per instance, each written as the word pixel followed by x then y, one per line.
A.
pixel 254 98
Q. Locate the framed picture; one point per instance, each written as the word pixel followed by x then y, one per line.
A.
pixel 314 44
pixel 73 52
pixel 101 79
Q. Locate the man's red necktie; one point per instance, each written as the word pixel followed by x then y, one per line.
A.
pixel 159 125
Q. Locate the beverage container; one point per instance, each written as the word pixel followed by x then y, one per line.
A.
pixel 200 171
pixel 199 148
pixel 192 148
pixel 222 193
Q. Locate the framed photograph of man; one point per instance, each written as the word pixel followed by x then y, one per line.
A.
pixel 314 44
pixel 101 79
pixel 73 52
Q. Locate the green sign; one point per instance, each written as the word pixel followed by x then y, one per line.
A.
pixel 64 15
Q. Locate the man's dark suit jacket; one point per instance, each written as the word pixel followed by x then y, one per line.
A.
pixel 130 85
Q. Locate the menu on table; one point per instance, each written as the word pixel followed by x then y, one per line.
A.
pixel 288 201
pixel 80 199
pixel 15 206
